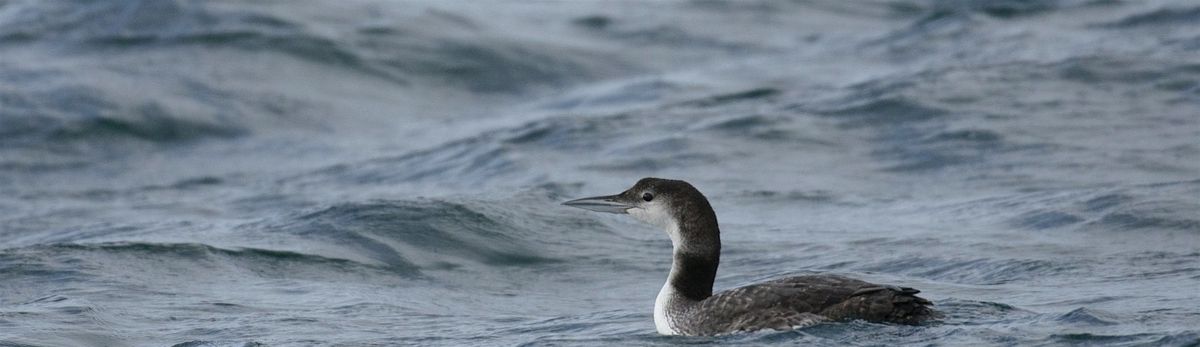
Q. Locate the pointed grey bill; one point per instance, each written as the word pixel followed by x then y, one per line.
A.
pixel 607 203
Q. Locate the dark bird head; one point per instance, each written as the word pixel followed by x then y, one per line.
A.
pixel 670 204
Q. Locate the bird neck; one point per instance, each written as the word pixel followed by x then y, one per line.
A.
pixel 696 252
pixel 692 275
pixel 695 260
pixel 690 282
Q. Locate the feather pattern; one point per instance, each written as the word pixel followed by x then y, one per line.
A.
pixel 793 302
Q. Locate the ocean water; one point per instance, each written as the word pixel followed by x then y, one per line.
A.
pixel 370 173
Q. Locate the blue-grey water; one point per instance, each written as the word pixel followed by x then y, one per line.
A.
pixel 234 173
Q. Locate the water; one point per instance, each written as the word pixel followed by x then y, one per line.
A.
pixel 389 173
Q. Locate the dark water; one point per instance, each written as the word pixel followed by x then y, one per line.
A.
pixel 228 173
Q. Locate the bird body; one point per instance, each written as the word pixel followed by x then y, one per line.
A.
pixel 686 304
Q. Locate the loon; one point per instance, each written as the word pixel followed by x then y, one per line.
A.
pixel 686 304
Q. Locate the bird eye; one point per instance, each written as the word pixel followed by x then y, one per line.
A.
pixel 647 196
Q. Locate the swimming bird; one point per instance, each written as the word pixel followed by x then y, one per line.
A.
pixel 686 304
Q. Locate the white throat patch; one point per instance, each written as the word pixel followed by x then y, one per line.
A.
pixel 656 214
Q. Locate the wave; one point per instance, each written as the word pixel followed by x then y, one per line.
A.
pixel 434 46
pixel 468 162
pixel 390 231
pixel 980 312
pixel 1159 17
pixel 1153 215
pixel 916 125
pixel 909 129
pixel 1142 207
pixel 67 107
pixel 436 234
pixel 43 262
pixel 137 24
pixel 207 343
pixel 80 285
pixel 867 110
pixel 662 35
pixel 1087 316
pixel 1154 207
pixel 57 116
pixel 932 10
pixel 984 271
pixel 73 112
pixel 1045 219
pixel 1160 73
pixel 514 154
pixel 1147 339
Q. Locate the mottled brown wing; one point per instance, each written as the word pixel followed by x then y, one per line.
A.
pixel 784 303
pixel 791 302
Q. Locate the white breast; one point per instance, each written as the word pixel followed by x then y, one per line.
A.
pixel 661 322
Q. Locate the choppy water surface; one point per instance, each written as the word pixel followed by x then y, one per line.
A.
pixel 388 173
